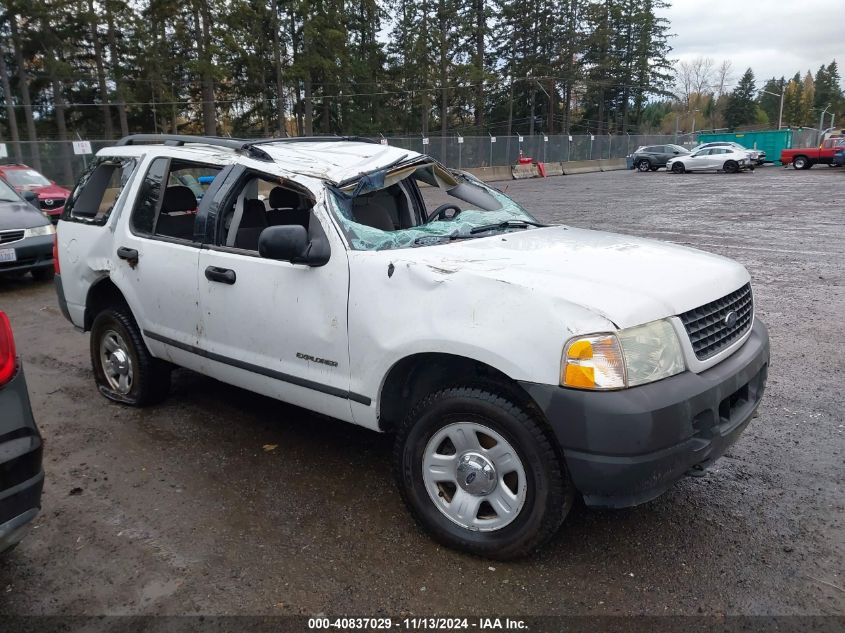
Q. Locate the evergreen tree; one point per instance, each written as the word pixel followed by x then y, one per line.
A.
pixel 793 102
pixel 741 108
pixel 828 90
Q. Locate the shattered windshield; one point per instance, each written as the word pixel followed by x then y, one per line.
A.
pixel 422 204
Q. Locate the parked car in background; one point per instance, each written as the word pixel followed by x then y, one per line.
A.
pixel 806 157
pixel 653 157
pixel 26 236
pixel 548 360
pixel 51 197
pixel 727 159
pixel 21 474
pixel 839 158
pixel 758 157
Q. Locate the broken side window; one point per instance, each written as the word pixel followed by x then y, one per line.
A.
pixel 422 205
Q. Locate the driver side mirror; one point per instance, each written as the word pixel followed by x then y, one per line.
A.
pixel 31 197
pixel 291 244
pixel 676 152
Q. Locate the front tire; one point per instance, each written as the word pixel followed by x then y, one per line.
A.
pixel 124 369
pixel 480 474
pixel 678 168
pixel 730 167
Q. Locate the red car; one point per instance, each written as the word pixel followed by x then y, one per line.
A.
pixel 51 197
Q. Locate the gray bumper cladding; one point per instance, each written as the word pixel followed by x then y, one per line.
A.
pixel 627 447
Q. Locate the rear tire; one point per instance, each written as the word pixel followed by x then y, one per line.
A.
pixel 678 168
pixel 643 165
pixel 522 470
pixel 801 162
pixel 124 369
pixel 730 167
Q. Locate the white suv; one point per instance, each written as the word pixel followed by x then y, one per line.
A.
pixel 517 364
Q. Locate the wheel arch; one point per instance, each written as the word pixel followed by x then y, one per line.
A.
pixel 102 294
pixel 418 374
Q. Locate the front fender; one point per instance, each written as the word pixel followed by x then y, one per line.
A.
pixel 400 309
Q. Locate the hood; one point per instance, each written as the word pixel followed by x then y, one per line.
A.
pixel 20 215
pixel 47 191
pixel 627 280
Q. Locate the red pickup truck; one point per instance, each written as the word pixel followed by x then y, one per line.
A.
pixel 806 157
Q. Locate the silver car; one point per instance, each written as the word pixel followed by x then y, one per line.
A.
pixel 726 159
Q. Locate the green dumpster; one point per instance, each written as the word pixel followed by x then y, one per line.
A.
pixel 769 141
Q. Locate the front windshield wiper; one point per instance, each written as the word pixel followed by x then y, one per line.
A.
pixel 430 240
pixel 507 224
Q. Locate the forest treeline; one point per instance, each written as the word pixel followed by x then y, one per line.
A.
pixel 103 68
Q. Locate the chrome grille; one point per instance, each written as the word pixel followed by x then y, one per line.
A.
pixel 10 236
pixel 708 326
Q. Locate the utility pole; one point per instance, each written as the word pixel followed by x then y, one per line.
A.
pixel 780 114
pixel 821 124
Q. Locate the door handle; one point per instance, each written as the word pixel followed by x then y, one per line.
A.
pixel 129 254
pixel 223 275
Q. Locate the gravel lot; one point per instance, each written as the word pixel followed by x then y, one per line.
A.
pixel 187 508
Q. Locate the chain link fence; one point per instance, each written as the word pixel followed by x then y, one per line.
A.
pixel 58 160
pixel 487 151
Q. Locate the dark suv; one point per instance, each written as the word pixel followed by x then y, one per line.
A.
pixel 653 157
pixel 21 475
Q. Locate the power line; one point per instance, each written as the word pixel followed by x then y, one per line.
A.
pixel 341 95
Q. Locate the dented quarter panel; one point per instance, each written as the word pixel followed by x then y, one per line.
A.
pixel 86 251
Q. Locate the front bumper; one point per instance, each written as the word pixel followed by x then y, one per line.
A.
pixel 31 252
pixel 627 447
pixel 54 213
pixel 21 472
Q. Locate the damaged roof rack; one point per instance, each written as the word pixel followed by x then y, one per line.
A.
pixel 238 144
pixel 312 139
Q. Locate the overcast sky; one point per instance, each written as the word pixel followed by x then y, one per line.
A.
pixel 774 37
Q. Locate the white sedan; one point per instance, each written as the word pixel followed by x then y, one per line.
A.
pixel 726 159
pixel 758 157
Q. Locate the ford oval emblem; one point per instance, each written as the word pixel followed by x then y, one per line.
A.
pixel 730 318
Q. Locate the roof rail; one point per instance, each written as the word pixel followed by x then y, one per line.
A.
pixel 237 144
pixel 312 139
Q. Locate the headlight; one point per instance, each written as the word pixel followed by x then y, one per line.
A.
pixel 47 229
pixel 630 357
